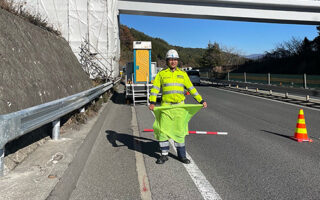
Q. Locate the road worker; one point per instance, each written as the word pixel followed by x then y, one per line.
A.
pixel 172 80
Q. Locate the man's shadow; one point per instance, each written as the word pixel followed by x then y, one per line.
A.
pixel 148 146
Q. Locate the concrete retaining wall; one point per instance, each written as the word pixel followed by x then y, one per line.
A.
pixel 36 66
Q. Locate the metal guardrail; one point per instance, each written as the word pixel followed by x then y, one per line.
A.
pixel 305 98
pixel 14 125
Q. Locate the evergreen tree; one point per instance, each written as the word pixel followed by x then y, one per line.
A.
pixel 212 56
pixel 316 41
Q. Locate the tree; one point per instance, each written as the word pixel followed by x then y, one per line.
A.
pixel 305 47
pixel 316 41
pixel 212 56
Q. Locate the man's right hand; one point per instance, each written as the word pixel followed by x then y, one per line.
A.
pixel 151 106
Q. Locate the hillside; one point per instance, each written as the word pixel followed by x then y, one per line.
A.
pixel 189 57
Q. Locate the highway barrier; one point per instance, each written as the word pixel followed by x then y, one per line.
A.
pixel 303 96
pixel 14 125
pixel 291 80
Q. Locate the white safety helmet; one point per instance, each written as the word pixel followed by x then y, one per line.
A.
pixel 172 54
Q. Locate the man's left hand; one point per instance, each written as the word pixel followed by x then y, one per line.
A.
pixel 205 104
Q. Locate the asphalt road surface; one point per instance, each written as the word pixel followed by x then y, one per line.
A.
pixel 256 160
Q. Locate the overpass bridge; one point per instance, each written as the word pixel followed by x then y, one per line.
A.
pixel 274 11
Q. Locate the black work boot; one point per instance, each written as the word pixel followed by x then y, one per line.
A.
pixel 185 160
pixel 162 159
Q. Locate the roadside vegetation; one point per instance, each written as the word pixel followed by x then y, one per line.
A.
pixel 19 9
pixel 189 57
pixel 291 57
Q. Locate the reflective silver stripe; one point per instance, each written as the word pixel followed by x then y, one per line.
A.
pixel 153 94
pixel 179 144
pixel 155 87
pixel 195 94
pixel 190 88
pixel 173 92
pixel 164 152
pixel 173 84
pixel 164 144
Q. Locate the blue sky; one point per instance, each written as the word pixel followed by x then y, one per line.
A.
pixel 246 37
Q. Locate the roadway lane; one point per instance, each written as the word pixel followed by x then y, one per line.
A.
pixel 167 181
pixel 256 160
pixel 110 171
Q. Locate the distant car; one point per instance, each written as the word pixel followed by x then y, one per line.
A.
pixel 194 76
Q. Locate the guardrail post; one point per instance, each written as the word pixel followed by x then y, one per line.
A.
pixel 270 92
pixel 2 161
pixel 286 95
pixel 228 76
pixel 246 87
pixel 305 81
pixel 257 89
pixel 82 110
pixel 307 98
pixel 245 77
pixel 269 82
pixel 56 130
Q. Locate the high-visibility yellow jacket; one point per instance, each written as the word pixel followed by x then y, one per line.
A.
pixel 173 84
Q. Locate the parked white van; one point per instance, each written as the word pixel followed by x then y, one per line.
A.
pixel 194 76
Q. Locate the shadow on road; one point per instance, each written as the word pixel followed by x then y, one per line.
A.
pixel 118 98
pixel 148 146
pixel 278 134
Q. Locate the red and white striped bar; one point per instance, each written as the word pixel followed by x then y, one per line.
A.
pixel 208 133
pixel 197 132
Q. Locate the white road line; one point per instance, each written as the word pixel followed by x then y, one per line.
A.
pixel 292 104
pixel 141 168
pixel 203 185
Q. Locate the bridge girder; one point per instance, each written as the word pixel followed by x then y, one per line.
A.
pixel 272 11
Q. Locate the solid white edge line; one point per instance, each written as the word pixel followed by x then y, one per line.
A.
pixel 203 185
pixel 140 166
pixel 292 104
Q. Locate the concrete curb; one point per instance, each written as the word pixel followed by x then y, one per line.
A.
pixel 68 182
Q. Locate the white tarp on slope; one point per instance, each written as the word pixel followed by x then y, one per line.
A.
pixel 77 20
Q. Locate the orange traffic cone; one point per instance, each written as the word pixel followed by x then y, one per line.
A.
pixel 301 131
